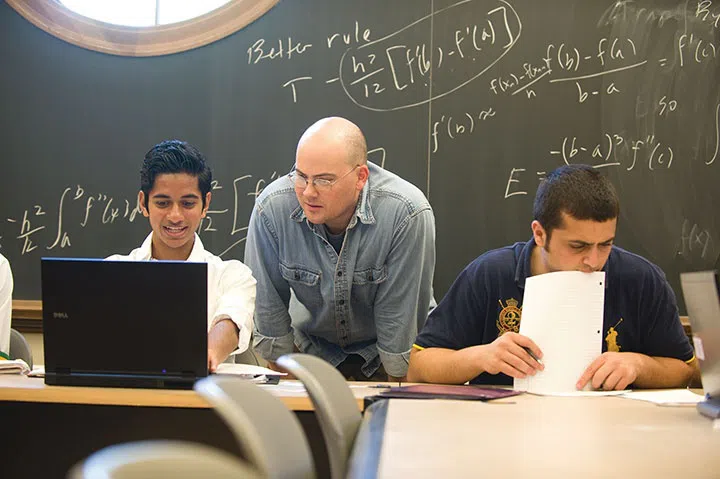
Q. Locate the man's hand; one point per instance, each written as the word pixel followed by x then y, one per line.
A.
pixel 222 340
pixel 508 354
pixel 612 371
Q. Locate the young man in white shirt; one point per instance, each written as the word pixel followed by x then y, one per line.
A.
pixel 6 289
pixel 175 196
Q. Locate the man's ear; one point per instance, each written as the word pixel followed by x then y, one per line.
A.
pixel 141 203
pixel 539 233
pixel 208 197
pixel 363 174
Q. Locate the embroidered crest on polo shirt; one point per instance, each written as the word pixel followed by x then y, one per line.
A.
pixel 509 317
pixel 611 338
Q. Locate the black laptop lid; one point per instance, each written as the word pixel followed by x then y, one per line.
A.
pixel 701 291
pixel 124 317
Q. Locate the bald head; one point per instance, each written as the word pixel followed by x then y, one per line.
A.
pixel 339 133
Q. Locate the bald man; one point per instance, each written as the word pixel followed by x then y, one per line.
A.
pixel 344 253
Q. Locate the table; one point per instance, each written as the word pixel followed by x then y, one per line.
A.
pixel 47 429
pixel 533 436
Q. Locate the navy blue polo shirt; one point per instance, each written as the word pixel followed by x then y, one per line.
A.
pixel 485 300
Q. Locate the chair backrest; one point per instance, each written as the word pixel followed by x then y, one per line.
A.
pixel 20 348
pixel 270 436
pixel 335 405
pixel 159 458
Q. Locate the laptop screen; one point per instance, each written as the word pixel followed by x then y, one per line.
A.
pixel 702 298
pixel 124 317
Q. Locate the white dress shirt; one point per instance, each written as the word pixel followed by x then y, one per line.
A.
pixel 6 289
pixel 231 287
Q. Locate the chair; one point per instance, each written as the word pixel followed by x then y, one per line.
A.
pixel 335 406
pixel 159 458
pixel 269 435
pixel 20 348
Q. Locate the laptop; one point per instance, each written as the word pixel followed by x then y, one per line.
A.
pixel 701 291
pixel 137 324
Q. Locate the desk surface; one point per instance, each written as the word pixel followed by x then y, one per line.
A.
pixel 532 436
pixel 24 389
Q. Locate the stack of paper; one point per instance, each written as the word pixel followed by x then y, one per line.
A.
pixel 14 366
pixel 563 314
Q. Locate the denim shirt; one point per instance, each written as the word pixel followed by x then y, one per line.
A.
pixel 371 299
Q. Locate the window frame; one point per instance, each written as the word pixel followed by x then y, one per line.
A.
pixel 61 22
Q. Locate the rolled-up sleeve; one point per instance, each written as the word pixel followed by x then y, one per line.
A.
pixel 236 300
pixel 273 329
pixel 403 301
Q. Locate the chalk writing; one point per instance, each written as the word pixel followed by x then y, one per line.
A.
pixel 706 15
pixel 614 149
pixel 285 49
pixel 347 38
pixel 694 240
pixel 457 126
pixel 700 50
pixel 391 74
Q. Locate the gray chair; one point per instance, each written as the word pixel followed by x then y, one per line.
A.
pixel 20 348
pixel 269 435
pixel 159 458
pixel 335 406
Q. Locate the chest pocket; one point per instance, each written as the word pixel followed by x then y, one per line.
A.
pixel 365 284
pixel 305 283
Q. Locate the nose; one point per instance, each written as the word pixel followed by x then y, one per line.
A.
pixel 175 215
pixel 310 190
pixel 592 259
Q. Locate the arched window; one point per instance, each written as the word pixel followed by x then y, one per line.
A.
pixel 141 27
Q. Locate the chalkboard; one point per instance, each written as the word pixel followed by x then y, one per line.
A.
pixel 473 101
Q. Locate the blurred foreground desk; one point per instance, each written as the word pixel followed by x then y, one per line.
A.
pixel 47 429
pixel 535 437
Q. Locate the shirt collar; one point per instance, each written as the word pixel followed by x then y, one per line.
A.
pixel 196 255
pixel 363 211
pixel 522 270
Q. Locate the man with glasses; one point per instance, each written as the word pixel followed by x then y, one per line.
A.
pixel 344 255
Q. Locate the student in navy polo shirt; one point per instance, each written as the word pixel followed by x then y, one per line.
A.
pixel 472 335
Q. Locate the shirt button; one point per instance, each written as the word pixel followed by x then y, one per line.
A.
pixel 339 273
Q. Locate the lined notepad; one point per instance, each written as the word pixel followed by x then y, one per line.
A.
pixel 563 314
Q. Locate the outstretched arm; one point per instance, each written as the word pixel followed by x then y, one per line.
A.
pixel 508 354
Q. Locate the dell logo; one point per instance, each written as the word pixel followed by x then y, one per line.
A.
pixel 60 315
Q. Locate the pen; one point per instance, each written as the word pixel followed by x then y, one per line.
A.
pixel 532 355
pixel 380 386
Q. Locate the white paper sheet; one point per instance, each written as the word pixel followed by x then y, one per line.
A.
pixel 584 393
pixel 562 313
pixel 247 370
pixel 667 397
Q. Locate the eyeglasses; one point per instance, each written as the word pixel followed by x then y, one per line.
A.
pixel 319 183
